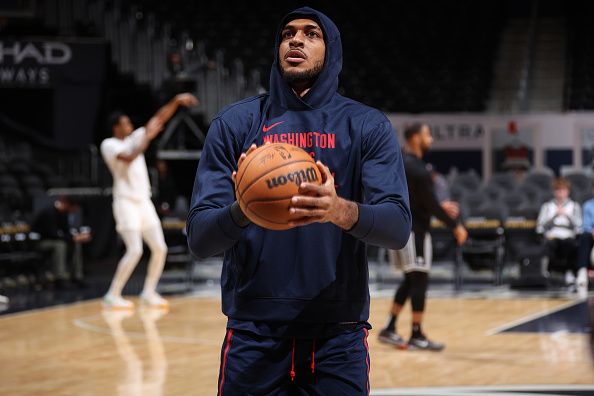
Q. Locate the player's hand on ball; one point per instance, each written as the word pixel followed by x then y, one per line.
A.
pixel 241 159
pixel 317 203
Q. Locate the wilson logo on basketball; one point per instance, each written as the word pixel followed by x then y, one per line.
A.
pixel 308 175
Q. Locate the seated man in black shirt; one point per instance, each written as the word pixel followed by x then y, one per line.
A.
pixel 52 223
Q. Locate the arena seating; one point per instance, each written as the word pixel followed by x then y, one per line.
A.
pixel 580 56
pixel 28 170
pixel 501 214
pixel 438 60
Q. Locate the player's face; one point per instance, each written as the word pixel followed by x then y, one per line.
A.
pixel 426 138
pixel 302 50
pixel 124 127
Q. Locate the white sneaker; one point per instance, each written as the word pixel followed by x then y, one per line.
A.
pixel 116 302
pixel 153 300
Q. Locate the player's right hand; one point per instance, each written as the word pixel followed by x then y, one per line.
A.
pixel 242 158
pixel 240 161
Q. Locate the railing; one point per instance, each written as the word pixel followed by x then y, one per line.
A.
pixel 141 47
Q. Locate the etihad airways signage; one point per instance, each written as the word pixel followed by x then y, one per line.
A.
pixel 44 53
pixel 39 63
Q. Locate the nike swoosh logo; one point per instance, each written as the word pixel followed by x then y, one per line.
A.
pixel 267 128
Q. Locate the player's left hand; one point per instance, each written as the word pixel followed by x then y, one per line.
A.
pixel 319 203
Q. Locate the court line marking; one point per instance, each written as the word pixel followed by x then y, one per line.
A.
pixel 528 318
pixel 48 308
pixel 482 390
pixel 82 323
pixel 90 301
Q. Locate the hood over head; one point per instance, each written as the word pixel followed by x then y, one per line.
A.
pixel 327 82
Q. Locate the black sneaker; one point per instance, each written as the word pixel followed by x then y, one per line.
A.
pixel 390 337
pixel 423 343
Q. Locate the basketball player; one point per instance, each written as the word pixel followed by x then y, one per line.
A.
pixel 415 258
pixel 134 212
pixel 297 301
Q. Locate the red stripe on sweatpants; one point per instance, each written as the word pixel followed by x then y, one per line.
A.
pixel 224 363
pixel 367 359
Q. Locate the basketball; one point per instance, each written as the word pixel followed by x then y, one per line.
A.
pixel 267 180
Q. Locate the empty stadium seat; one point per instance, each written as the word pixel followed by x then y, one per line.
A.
pixel 514 200
pixel 520 231
pixel 580 182
pixel 494 192
pixel 505 180
pixel 531 192
pixel 485 246
pixel 468 180
pixel 541 180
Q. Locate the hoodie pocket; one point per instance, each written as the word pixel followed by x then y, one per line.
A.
pixel 293 264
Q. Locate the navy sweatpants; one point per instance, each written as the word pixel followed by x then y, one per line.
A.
pixel 256 365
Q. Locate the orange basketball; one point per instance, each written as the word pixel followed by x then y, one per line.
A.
pixel 267 180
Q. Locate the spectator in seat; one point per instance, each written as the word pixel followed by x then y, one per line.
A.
pixel 64 242
pixel 560 222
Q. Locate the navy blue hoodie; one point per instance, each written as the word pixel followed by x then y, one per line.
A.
pixel 316 273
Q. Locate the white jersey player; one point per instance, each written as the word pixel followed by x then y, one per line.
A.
pixel 134 213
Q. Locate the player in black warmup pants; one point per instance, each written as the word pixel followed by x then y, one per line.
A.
pixel 415 258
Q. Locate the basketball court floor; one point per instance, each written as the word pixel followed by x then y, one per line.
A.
pixel 498 342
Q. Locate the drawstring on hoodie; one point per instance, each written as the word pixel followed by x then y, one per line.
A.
pixel 292 373
pixel 313 356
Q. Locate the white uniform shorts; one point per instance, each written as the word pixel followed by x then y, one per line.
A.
pixel 132 215
pixel 415 256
